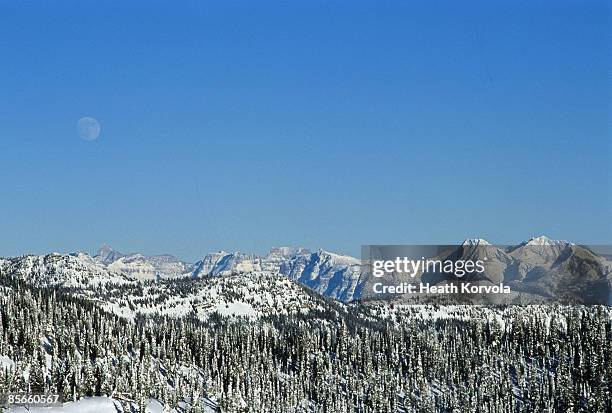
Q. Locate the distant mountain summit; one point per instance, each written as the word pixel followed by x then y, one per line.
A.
pixel 544 240
pixel 475 241
pixel 329 274
pixel 224 263
pixel 106 255
pixel 538 270
pixel 142 267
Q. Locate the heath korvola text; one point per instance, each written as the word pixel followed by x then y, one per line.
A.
pixel 462 270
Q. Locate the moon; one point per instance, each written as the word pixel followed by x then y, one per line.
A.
pixel 88 128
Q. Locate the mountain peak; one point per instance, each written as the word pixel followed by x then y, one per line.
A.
pixel 544 240
pixel 338 259
pixel 105 249
pixel 106 254
pixel 474 241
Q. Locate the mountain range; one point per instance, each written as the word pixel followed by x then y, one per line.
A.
pixel 537 270
pixel 540 267
pixel 329 274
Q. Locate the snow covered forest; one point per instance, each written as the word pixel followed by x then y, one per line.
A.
pixel 370 357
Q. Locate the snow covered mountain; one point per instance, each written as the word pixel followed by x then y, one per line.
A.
pixel 536 270
pixel 329 274
pixel 142 267
pixel 58 270
pixel 106 255
pixel 111 341
pixel 251 294
pixel 539 266
pixel 223 263
pixel 333 275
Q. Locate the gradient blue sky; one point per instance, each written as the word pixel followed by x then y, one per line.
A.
pixel 322 124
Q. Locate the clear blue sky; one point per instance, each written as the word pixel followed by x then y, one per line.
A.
pixel 321 124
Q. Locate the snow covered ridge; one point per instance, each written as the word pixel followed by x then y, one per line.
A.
pixel 250 296
pixel 70 271
pixel 333 275
pixel 543 240
pixel 247 295
pixel 475 241
pixel 327 273
pixel 142 267
pixel 536 271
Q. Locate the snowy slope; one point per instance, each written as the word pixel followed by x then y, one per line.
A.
pixel 72 270
pixel 251 295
